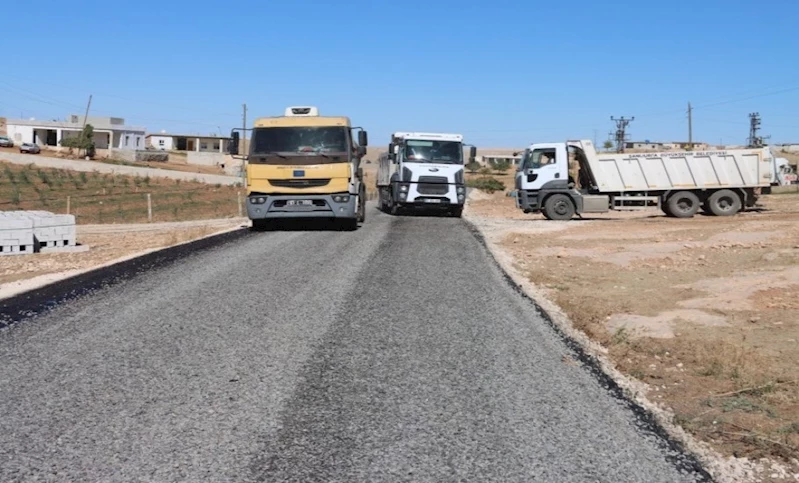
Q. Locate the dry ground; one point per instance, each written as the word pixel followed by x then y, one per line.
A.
pixel 108 198
pixel 177 161
pixel 105 243
pixel 702 310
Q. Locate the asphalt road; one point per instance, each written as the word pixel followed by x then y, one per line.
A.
pixel 394 353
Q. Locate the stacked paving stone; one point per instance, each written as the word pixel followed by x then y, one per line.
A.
pixel 35 231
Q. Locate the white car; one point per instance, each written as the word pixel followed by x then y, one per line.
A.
pixel 6 142
pixel 30 148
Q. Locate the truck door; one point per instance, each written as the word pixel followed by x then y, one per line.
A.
pixel 545 164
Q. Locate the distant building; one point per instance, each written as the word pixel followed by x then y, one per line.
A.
pixel 109 132
pixel 664 146
pixel 489 157
pixel 187 142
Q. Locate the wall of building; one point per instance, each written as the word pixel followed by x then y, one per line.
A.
pixel 20 134
pixel 210 145
pixel 128 140
pixel 164 143
pixel 205 158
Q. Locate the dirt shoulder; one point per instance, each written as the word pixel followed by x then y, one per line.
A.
pixel 106 244
pixel 702 311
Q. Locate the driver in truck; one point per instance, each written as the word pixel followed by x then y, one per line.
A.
pixel 574 170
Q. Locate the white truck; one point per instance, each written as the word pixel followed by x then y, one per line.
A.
pixel 564 179
pixel 423 171
pixel 785 173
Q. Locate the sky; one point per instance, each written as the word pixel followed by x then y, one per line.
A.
pixel 503 73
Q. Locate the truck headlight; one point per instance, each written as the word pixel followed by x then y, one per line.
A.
pixel 404 188
pixel 459 189
pixel 341 198
pixel 258 200
pixel 460 197
pixel 403 196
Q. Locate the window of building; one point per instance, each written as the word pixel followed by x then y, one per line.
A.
pixel 203 146
pixel 160 142
pixel 127 140
pixel 216 145
pixel 137 141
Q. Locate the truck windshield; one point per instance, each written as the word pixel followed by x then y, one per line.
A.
pixel 300 141
pixel 445 152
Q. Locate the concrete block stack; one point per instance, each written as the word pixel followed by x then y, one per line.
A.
pixel 16 234
pixel 42 230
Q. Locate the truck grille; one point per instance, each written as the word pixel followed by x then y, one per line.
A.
pixel 299 183
pixel 432 185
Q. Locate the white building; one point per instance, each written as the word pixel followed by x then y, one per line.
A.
pixel 109 132
pixel 186 142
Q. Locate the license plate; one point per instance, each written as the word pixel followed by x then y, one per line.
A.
pixel 299 203
pixel 432 200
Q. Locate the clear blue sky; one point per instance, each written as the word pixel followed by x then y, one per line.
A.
pixel 504 73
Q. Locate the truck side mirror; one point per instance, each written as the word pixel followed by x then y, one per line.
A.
pixel 363 139
pixel 472 154
pixel 391 154
pixel 233 143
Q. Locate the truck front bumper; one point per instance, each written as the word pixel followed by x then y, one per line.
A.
pixel 301 206
pixel 527 200
pixel 408 194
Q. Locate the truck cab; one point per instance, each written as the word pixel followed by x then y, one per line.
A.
pixel 423 171
pixel 303 165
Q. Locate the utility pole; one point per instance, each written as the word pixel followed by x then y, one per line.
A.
pixel 86 116
pixel 621 131
pixel 755 141
pixel 243 147
pixel 690 127
pixel 243 127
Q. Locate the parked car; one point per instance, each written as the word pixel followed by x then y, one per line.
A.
pixel 6 142
pixel 31 148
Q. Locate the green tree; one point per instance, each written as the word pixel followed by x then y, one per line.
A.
pixel 83 141
pixel 608 145
pixel 473 167
pixel 501 166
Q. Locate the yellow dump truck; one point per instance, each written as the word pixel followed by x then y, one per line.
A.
pixel 303 165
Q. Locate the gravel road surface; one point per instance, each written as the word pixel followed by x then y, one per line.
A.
pixel 394 353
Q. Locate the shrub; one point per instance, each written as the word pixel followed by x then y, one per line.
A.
pixel 487 184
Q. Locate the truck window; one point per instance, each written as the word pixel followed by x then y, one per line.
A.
pixel 542 157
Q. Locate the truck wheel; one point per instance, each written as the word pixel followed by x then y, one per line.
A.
pixel 559 207
pixel 724 203
pixel 361 208
pixel 683 204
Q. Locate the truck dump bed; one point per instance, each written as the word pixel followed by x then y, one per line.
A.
pixel 739 168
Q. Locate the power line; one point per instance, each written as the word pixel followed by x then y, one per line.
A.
pixel 621 131
pixel 137 101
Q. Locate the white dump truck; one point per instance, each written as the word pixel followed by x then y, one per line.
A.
pixel 564 179
pixel 423 171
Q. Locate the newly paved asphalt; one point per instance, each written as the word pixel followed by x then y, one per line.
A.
pixel 394 353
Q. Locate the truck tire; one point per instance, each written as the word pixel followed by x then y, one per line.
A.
pixel 682 204
pixel 361 207
pixel 724 203
pixel 559 207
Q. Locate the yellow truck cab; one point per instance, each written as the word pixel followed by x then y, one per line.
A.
pixel 303 165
